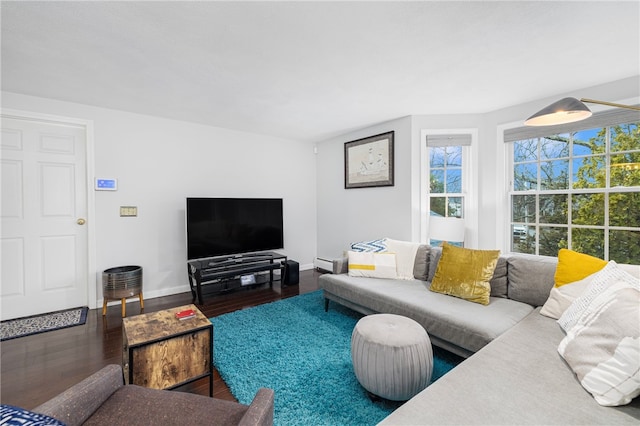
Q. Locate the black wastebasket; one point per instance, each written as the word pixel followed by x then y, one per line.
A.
pixel 291 273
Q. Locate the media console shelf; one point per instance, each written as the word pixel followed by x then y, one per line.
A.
pixel 233 271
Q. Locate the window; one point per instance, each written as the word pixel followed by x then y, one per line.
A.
pixel 577 189
pixel 445 181
pixel 447 158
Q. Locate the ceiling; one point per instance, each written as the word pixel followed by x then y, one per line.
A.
pixel 309 71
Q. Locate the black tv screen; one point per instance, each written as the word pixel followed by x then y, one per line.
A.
pixel 224 226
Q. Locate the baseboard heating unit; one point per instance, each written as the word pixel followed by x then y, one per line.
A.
pixel 323 264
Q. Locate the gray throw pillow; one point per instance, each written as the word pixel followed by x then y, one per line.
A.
pixel 531 278
pixel 421 265
pixel 434 258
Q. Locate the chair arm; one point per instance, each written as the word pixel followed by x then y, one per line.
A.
pixel 75 405
pixel 260 412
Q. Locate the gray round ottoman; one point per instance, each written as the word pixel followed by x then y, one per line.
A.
pixel 392 356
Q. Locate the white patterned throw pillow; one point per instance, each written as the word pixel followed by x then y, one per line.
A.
pixel 373 265
pixel 599 281
pixel 603 346
pixel 10 415
pixel 373 246
pixel 560 298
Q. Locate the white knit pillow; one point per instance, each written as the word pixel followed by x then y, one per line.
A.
pixel 603 347
pixel 600 280
pixel 405 257
pixel 560 298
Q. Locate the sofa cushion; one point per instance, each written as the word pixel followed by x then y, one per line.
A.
pixel 530 278
pixel 131 405
pixel 465 325
pixel 434 257
pixel 465 273
pixel 498 281
pixel 374 265
pixel 523 381
pixel 421 266
pixel 574 266
pixel 603 347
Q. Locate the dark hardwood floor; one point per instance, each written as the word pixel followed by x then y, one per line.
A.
pixel 36 368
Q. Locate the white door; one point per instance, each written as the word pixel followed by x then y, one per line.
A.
pixel 44 208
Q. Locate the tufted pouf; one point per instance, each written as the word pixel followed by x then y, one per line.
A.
pixel 392 356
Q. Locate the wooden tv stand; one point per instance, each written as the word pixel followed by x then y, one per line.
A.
pixel 230 272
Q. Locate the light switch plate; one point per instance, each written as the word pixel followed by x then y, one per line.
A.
pixel 128 211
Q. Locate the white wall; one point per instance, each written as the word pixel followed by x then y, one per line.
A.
pixel 348 215
pixel 160 162
pixel 351 215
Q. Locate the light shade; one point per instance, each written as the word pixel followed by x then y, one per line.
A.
pixel 450 229
pixel 565 110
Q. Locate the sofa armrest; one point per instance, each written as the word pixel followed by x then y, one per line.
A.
pixel 75 405
pixel 260 412
pixel 341 266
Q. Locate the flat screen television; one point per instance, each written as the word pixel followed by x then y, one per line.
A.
pixel 225 226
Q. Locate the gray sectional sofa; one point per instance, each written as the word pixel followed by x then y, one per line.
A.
pixel 513 373
pixel 518 285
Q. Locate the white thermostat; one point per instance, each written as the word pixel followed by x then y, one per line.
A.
pixel 106 184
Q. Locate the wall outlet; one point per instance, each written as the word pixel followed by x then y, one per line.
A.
pixel 128 211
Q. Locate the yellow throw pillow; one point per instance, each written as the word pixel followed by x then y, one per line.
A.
pixel 574 266
pixel 465 273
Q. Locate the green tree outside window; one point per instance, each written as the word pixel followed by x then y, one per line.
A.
pixel 579 191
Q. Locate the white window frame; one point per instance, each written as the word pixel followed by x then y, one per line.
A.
pixel 505 157
pixel 469 183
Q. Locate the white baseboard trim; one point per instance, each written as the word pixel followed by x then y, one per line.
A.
pixel 306 266
pixel 149 295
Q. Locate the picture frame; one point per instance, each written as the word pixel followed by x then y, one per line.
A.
pixel 368 162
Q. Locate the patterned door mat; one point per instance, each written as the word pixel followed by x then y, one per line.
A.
pixel 20 327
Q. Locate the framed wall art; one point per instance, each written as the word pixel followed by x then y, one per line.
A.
pixel 368 162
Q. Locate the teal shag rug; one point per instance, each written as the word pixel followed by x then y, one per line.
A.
pixel 304 354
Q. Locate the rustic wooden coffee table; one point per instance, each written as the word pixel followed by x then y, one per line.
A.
pixel 161 351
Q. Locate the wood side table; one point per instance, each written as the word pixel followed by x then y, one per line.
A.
pixel 162 352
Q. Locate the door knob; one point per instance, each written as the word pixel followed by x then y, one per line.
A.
pixel 81 221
